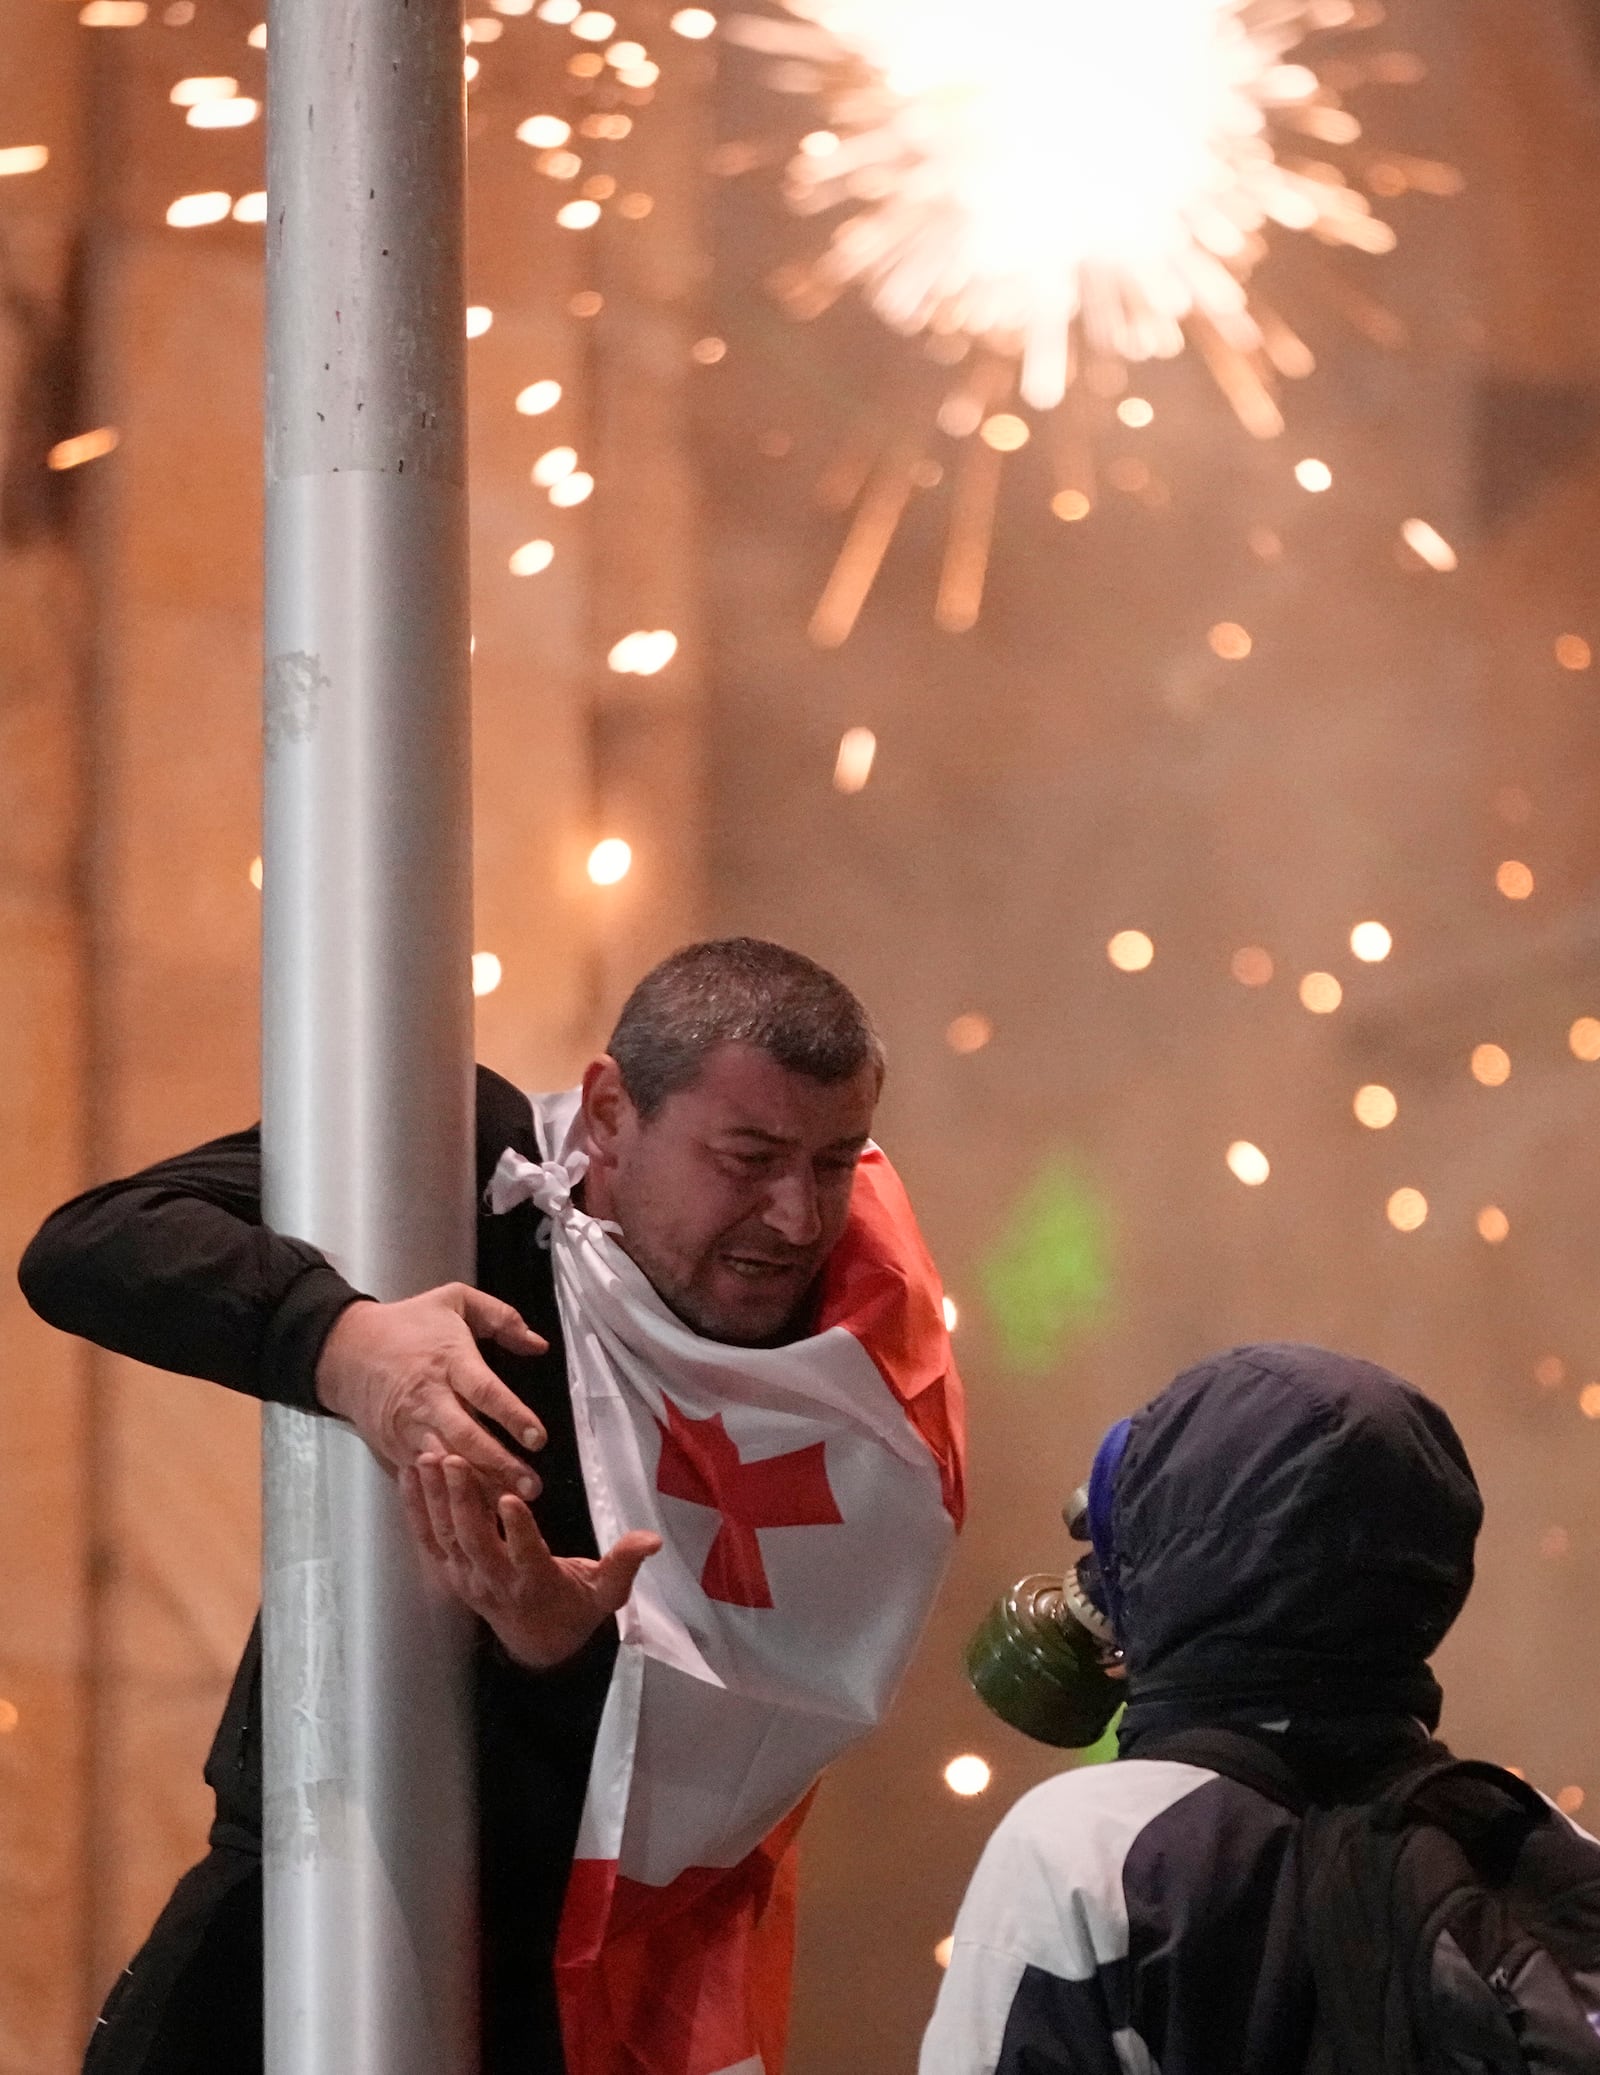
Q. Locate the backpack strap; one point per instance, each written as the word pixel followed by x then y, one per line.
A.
pixel 1405 1798
pixel 1236 1755
pixel 1489 1812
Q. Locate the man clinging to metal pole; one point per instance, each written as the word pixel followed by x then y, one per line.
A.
pixel 711 1330
pixel 745 1372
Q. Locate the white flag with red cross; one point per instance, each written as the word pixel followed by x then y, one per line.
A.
pixel 807 1497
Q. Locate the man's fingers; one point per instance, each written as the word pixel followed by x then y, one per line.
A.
pixel 524 1544
pixel 436 1503
pixel 416 1508
pixel 491 1319
pixel 475 1382
pixel 462 1435
pixel 472 1520
pixel 617 1569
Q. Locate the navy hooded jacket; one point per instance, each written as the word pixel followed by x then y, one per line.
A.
pixel 1290 1535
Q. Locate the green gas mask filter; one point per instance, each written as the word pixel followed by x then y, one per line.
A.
pixel 1045 1658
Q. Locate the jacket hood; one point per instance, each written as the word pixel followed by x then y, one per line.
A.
pixel 1293 1533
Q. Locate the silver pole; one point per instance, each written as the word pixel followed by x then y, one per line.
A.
pixel 367 1061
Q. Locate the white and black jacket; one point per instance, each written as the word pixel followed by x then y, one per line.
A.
pixel 1124 1919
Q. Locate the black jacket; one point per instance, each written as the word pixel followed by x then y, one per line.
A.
pixel 174 1267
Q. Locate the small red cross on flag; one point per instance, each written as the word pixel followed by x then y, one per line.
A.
pixel 700 1463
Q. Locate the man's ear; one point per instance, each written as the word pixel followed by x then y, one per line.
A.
pixel 608 1111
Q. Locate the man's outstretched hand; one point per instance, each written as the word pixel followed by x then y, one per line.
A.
pixel 493 1557
pixel 409 1377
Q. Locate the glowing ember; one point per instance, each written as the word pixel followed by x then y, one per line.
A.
pixel 1428 543
pixel 234 114
pixel 968 1032
pixel 82 447
pixel 1130 951
pixel 1375 1106
pixel 1407 1210
pixel 1005 432
pixel 610 861
pixel 1230 641
pixel 189 93
pixel 1514 879
pixel 1022 171
pixel 853 765
pixel 643 653
pixel 190 211
pixel 543 132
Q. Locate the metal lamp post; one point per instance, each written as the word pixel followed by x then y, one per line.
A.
pixel 367 1062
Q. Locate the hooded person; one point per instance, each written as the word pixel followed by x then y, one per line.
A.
pixel 1283 1537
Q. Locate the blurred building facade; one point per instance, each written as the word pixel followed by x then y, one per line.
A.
pixel 1082 762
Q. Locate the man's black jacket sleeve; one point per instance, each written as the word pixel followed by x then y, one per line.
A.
pixel 174 1267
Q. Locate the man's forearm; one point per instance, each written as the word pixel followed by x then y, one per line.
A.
pixel 174 1267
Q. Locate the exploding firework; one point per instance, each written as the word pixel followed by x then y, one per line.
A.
pixel 1048 175
pixel 1048 191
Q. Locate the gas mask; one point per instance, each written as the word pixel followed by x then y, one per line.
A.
pixel 1045 1658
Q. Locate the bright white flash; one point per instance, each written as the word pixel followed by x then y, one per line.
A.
pixel 1030 172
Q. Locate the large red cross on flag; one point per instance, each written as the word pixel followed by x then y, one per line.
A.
pixel 700 1463
pixel 807 1497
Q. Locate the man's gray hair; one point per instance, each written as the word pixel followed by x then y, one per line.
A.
pixel 738 990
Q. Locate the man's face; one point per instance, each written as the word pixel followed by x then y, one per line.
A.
pixel 733 1194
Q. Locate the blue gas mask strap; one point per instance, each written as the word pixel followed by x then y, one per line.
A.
pixel 1102 1532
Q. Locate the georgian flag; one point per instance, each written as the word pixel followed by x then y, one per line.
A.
pixel 807 1498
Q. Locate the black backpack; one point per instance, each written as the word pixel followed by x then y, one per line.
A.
pixel 1451 1924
